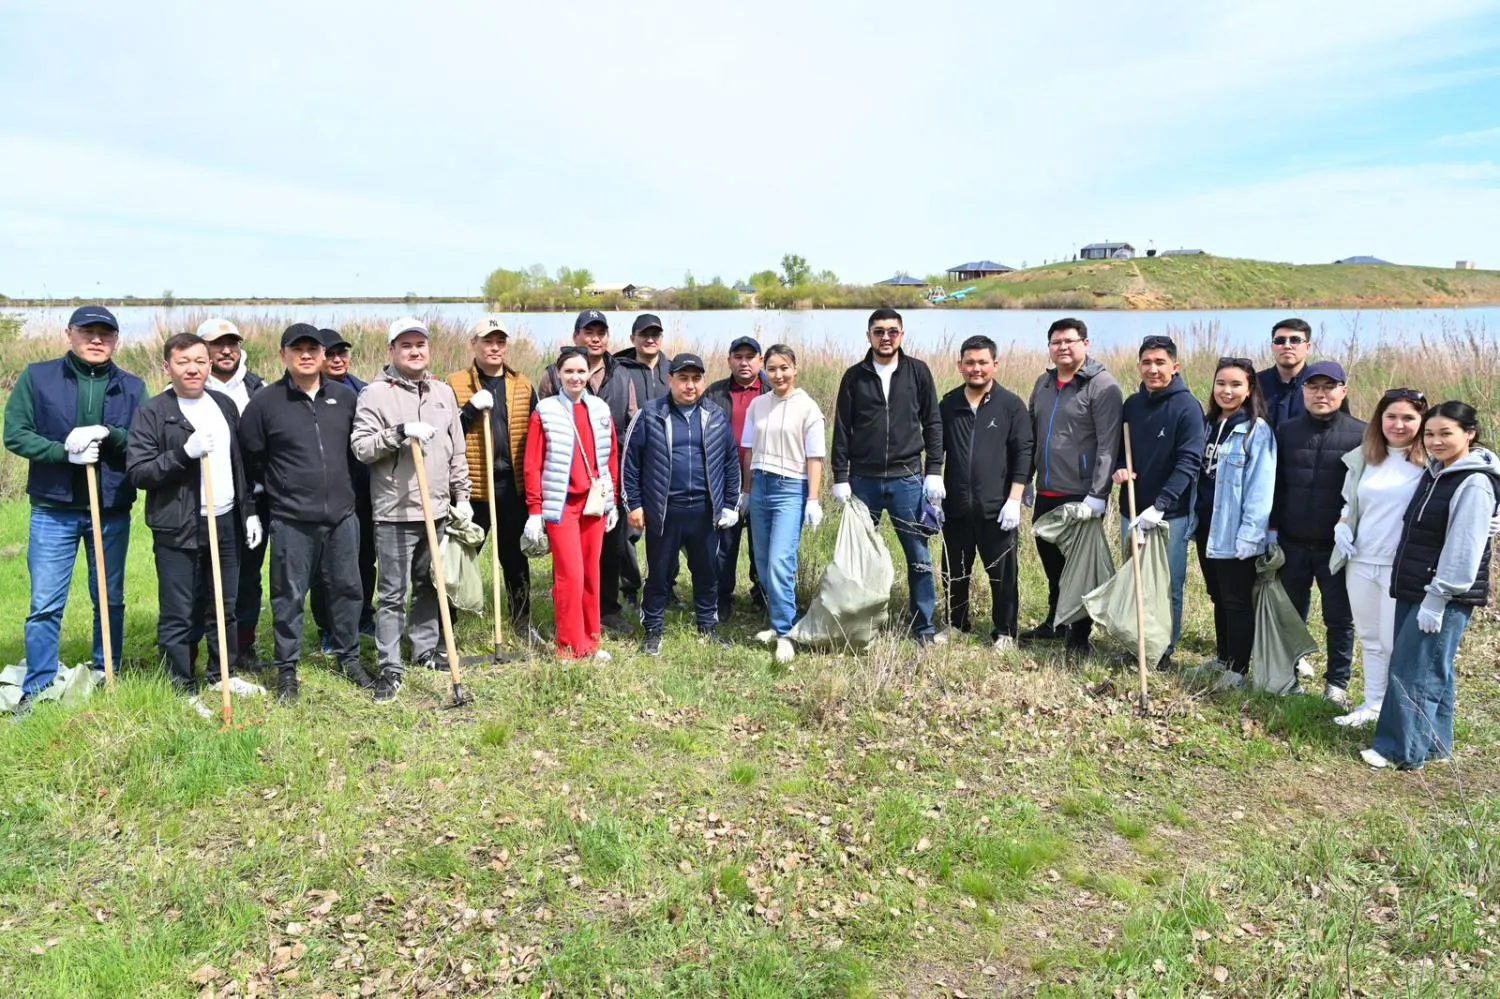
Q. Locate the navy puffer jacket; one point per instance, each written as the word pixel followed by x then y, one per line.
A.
pixel 646 475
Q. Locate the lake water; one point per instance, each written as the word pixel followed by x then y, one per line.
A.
pixel 843 329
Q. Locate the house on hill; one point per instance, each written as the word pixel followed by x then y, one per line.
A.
pixel 624 290
pixel 1182 253
pixel 1107 251
pixel 903 281
pixel 1365 260
pixel 974 270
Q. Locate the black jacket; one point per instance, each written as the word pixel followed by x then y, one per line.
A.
pixel 650 383
pixel 986 451
pixel 1310 475
pixel 718 394
pixel 1166 442
pixel 298 448
pixel 885 439
pixel 158 464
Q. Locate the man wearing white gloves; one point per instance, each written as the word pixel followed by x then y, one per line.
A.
pixel 62 415
pixel 179 439
pixel 987 463
pixel 681 484
pixel 403 404
pixel 1075 422
pixel 888 451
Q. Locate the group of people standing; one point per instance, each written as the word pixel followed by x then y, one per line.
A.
pixel 1390 520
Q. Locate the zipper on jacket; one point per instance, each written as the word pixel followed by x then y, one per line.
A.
pixel 318 435
pixel 1051 421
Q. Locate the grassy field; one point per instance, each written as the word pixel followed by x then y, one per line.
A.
pixel 707 824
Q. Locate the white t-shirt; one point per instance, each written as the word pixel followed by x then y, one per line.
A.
pixel 1385 491
pixel 204 414
pixel 885 371
pixel 782 433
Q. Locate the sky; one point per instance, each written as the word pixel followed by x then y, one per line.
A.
pixel 336 148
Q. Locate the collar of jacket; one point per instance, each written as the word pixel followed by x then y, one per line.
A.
pixel 479 376
pixel 1088 369
pixel 78 366
pixel 390 374
pixel 291 385
pixel 869 362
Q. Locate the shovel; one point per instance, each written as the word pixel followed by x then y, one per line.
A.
pixel 489 478
pixel 213 559
pixel 1136 543
pixel 102 579
pixel 460 696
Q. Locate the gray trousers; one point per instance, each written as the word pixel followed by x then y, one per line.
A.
pixel 404 562
pixel 301 552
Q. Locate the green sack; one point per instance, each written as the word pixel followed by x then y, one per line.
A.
pixel 1112 606
pixel 855 589
pixel 1281 636
pixel 460 544
pixel 1089 564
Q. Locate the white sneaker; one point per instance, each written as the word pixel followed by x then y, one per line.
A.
pixel 1304 668
pixel 785 653
pixel 1374 759
pixel 603 656
pixel 1005 644
pixel 1336 695
pixel 1363 715
pixel 1230 680
pixel 767 637
pixel 948 634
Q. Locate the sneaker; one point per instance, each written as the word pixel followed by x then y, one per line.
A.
pixel 603 656
pixel 24 707
pixel 1164 664
pixel 429 660
pixel 1374 759
pixel 1361 716
pixel 356 674
pixel 1338 695
pixel 711 636
pixel 615 623
pixel 785 652
pixel 387 687
pixel 949 634
pixel 925 641
pixel 1304 668
pixel 1043 632
pixel 1209 670
pixel 1230 680
pixel 652 645
pixel 767 637
pixel 287 688
pixel 1005 644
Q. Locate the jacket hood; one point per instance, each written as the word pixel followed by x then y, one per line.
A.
pixel 390 374
pixel 1478 458
pixel 1174 387
pixel 235 380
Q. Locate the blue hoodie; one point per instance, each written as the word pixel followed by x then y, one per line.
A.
pixel 1166 438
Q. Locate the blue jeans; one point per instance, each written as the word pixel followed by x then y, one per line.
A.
pixel 1178 533
pixel 51 553
pixel 902 499
pixel 1416 717
pixel 776 506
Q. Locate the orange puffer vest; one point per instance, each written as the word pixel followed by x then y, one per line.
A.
pixel 518 418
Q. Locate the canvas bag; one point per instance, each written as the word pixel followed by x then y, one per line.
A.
pixel 855 589
pixel 1281 636
pixel 1089 564
pixel 1112 606
pixel 461 540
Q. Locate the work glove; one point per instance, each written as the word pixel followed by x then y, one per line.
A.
pixel 1096 505
pixel 842 492
pixel 742 505
pixel 1343 539
pixel 1010 515
pixel 200 443
pixel 483 399
pixel 728 518
pixel 1495 524
pixel 1430 614
pixel 464 510
pixel 1246 549
pixel 933 487
pixel 88 456
pixel 534 530
pixel 81 437
pixel 612 518
pixel 1150 520
pixel 1273 537
pixel 254 533
pixel 420 432
pixel 812 514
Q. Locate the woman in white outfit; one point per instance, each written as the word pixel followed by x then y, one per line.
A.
pixel 1383 474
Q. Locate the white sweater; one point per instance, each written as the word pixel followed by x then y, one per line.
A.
pixel 782 432
pixel 1385 491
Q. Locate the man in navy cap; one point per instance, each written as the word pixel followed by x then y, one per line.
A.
pixel 680 480
pixel 62 416
pixel 734 395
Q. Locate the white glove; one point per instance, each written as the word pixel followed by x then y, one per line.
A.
pixel 728 518
pixel 842 492
pixel 483 399
pixel 1010 515
pixel 254 534
pixel 422 432
pixel 812 514
pixel 1245 549
pixel 1096 505
pixel 1343 539
pixel 1149 521
pixel 1495 524
pixel 1273 537
pixel 81 437
pixel 612 518
pixel 200 443
pixel 1430 615
pixel 742 505
pixel 534 529
pixel 464 510
pixel 88 456
pixel 933 487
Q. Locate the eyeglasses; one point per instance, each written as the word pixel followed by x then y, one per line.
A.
pixel 1066 342
pixel 884 332
pixel 1406 395
pixel 1321 387
pixel 651 335
pixel 103 336
pixel 337 353
pixel 1295 341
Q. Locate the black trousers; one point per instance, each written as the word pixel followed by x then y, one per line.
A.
pixel 729 564
pixel 366 518
pixel 1231 587
pixel 692 531
pixel 963 539
pixel 612 561
pixel 630 565
pixel 301 552
pixel 1053 563
pixel 510 507
pixel 185 593
pixel 1306 564
pixel 247 599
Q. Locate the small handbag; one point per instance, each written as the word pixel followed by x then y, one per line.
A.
pixel 601 492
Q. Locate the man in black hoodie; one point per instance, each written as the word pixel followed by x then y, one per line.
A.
pixel 1166 430
pixel 888 451
pixel 1309 500
pixel 641 364
pixel 987 449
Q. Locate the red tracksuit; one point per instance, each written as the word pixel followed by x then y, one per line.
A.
pixel 576 540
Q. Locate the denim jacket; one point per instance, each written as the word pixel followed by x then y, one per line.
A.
pixel 1245 483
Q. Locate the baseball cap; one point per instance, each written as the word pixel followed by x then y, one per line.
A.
pixel 406 324
pixel 588 317
pixel 85 314
pixel 217 329
pixel 745 341
pixel 485 325
pixel 1325 369
pixel 645 321
pixel 686 362
pixel 301 331
pixel 332 339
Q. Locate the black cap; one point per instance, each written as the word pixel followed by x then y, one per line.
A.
pixel 301 331
pixel 745 341
pixel 588 317
pixel 645 321
pixel 686 362
pixel 86 314
pixel 1325 369
pixel 332 339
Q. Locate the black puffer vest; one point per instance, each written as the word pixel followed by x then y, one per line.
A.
pixel 1422 541
pixel 1310 475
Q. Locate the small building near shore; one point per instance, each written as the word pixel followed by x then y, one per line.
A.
pixel 1107 251
pixel 903 281
pixel 975 270
pixel 1365 260
pixel 623 290
pixel 1465 265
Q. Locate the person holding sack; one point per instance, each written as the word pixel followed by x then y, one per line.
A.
pixel 572 466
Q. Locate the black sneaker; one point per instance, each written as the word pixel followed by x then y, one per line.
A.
pixel 712 637
pixel 387 687
pixel 287 689
pixel 614 623
pixel 1165 664
pixel 356 674
pixel 652 645
pixel 429 660
pixel 1043 632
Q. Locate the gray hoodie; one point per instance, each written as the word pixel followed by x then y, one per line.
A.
pixel 386 403
pixel 1076 429
pixel 1469 513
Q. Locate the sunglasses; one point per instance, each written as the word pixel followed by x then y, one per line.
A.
pixel 1405 395
pixel 1237 362
pixel 1158 343
pixel 568 352
pixel 1282 341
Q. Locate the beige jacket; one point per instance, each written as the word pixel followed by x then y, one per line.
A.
pixel 386 403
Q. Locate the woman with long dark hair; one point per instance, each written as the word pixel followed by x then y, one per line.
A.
pixel 1441 573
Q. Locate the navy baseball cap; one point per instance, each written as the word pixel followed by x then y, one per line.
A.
pixel 745 341
pixel 301 331
pixel 332 339
pixel 588 317
pixel 686 362
pixel 1325 369
pixel 86 314
pixel 643 322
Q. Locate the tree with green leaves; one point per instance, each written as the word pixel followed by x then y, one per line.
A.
pixel 503 284
pixel 578 279
pixel 762 280
pixel 794 270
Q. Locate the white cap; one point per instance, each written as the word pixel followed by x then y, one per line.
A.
pixel 216 329
pixel 407 324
